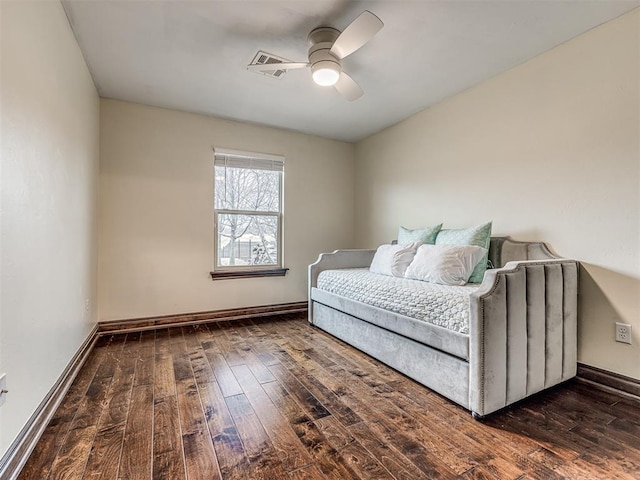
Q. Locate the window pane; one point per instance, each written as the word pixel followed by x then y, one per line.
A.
pixel 247 240
pixel 247 189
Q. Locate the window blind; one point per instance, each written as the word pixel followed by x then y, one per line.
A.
pixel 232 159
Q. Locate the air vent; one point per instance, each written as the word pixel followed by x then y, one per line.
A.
pixel 264 58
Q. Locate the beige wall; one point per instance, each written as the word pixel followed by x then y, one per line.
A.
pixel 49 113
pixel 548 151
pixel 156 200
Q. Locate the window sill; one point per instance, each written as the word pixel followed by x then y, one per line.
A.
pixel 226 275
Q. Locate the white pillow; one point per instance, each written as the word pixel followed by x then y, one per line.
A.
pixel 393 259
pixel 445 264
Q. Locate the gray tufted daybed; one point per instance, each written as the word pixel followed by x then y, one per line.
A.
pixel 514 336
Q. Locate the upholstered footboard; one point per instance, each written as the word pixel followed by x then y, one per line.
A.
pixel 523 339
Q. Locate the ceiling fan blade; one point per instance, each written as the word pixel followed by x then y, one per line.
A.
pixel 348 87
pixel 269 67
pixel 359 32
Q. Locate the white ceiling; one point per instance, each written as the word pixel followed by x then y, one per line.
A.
pixel 191 55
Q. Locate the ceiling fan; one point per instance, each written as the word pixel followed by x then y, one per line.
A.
pixel 328 47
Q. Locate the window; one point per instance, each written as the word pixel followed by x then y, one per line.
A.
pixel 247 214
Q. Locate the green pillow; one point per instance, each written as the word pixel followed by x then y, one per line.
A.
pixel 424 235
pixel 479 235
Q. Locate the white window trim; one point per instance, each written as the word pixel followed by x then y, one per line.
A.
pixel 226 271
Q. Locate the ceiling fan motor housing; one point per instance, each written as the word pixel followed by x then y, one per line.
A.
pixel 322 35
pixel 321 40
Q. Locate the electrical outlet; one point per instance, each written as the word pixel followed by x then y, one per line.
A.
pixel 3 389
pixel 623 332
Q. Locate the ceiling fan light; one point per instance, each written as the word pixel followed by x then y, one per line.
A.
pixel 325 73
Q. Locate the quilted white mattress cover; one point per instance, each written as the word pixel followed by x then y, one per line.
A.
pixel 442 305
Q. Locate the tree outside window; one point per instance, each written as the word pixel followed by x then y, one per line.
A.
pixel 247 210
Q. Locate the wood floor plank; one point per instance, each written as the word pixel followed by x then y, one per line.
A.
pixel 233 354
pixel 325 456
pixel 232 460
pixel 267 358
pixel 77 445
pixel 306 399
pixel 626 408
pixel 145 361
pixel 371 439
pixel 312 472
pixel 273 398
pixel 202 370
pixel 351 451
pixel 624 431
pixel 263 459
pixel 513 456
pixel 223 374
pixel 164 377
pixel 162 335
pixel 168 459
pixel 104 458
pixel 558 439
pixel 91 407
pixel 264 347
pixel 248 340
pixel 259 369
pixel 289 449
pixel 546 431
pixel 199 455
pixel 228 383
pixel 610 450
pixel 119 396
pixel 324 395
pixel 589 467
pixel 435 419
pixel 136 459
pixel 478 473
pixel 134 407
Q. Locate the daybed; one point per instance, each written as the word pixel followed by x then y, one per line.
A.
pixel 517 337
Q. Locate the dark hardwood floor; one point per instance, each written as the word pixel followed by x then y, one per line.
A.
pixel 274 399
